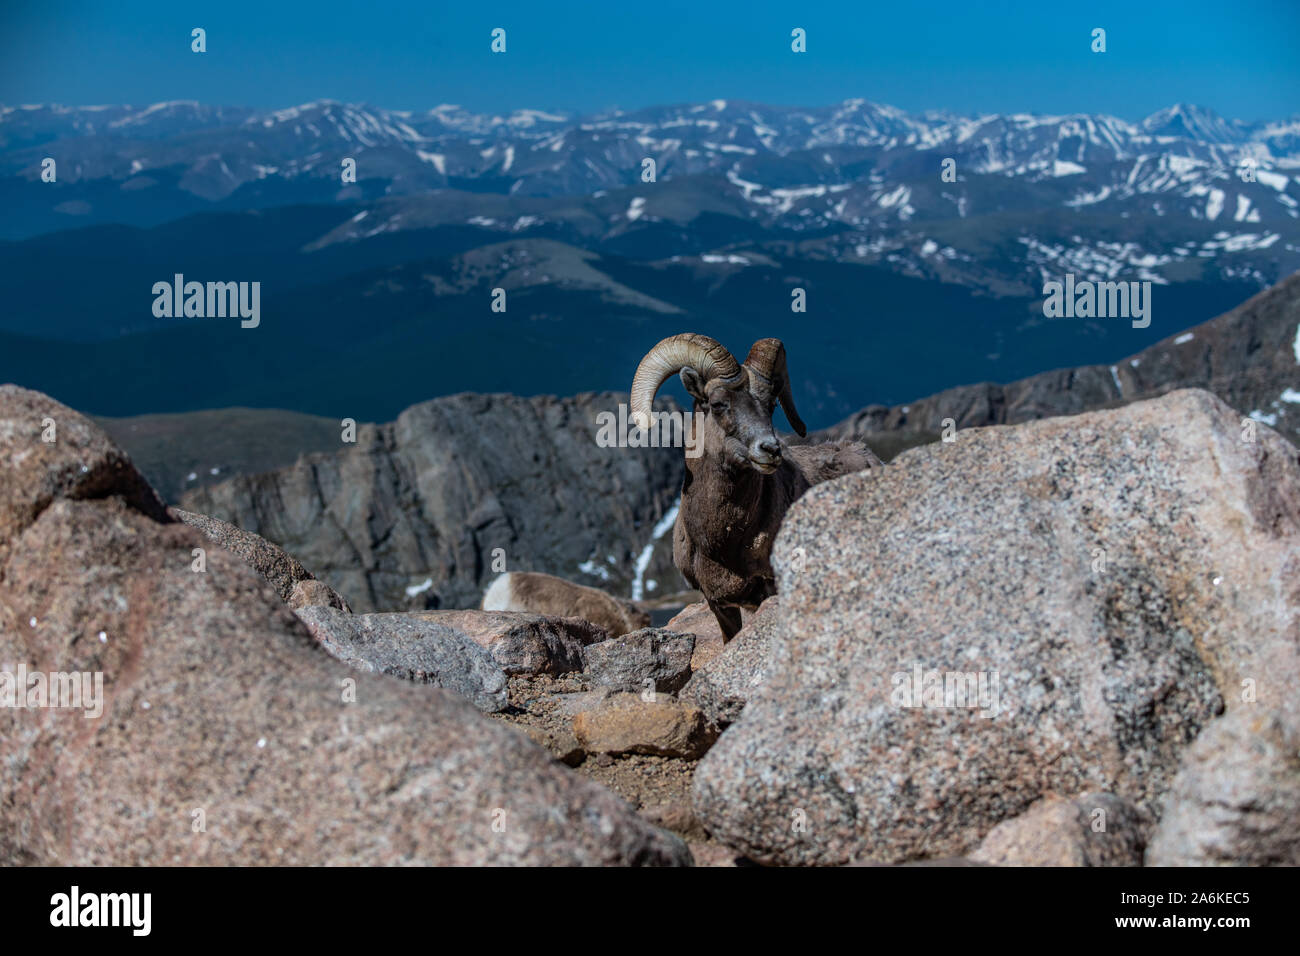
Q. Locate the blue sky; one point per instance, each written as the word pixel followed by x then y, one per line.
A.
pixel 1240 58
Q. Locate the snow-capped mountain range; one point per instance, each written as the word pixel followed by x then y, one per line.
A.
pixel 1183 193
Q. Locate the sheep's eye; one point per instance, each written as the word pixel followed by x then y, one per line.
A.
pixel 718 407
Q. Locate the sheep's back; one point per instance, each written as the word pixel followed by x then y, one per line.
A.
pixel 832 459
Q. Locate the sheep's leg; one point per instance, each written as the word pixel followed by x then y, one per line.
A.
pixel 728 619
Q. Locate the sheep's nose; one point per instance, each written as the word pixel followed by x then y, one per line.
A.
pixel 770 447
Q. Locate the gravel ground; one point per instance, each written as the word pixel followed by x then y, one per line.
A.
pixel 657 787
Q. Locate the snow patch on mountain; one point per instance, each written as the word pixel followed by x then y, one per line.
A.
pixel 438 159
pixel 661 528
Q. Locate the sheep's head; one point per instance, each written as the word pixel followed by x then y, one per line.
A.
pixel 736 401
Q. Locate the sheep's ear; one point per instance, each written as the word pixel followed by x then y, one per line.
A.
pixel 694 384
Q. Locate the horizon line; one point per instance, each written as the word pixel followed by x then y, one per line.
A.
pixel 562 115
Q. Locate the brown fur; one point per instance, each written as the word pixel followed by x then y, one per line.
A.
pixel 731 511
pixel 547 594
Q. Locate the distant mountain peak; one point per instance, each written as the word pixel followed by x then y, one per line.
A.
pixel 1188 121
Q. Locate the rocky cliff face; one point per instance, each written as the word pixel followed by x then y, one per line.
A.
pixel 1248 357
pixel 413 513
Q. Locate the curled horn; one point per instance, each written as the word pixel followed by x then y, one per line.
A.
pixel 767 358
pixel 669 357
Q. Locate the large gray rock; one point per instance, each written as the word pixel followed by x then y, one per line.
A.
pixel 226 736
pixel 419 513
pixel 723 685
pixel 983 557
pixel 406 647
pixel 651 657
pixel 1236 799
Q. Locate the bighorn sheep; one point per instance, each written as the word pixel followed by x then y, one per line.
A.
pixel 737 491
pixel 546 594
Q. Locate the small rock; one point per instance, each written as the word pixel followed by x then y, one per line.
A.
pixel 1236 798
pixel 722 687
pixel 1059 832
pixel 649 657
pixel 625 723
pixel 523 643
pixel 573 704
